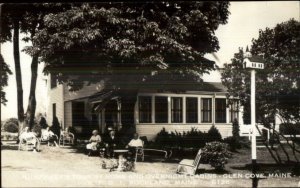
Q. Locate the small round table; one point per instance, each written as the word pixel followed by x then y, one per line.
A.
pixel 121 157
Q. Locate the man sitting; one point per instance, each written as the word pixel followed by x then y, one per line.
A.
pixel 135 143
pixel 94 141
pixel 111 143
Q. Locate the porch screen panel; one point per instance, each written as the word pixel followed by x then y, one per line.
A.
pixel 176 109
pixel 206 110
pixel 145 109
pixel 234 111
pixel 161 110
pixel 191 110
pixel 220 110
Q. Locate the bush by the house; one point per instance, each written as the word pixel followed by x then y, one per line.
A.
pixel 43 123
pixel 213 134
pixel 37 128
pixel 190 139
pixel 216 154
pixel 11 125
pixel 289 128
pixel 233 143
pixel 235 129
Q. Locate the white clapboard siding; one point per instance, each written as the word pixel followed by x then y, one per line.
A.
pixel 151 130
pixel 55 95
pixel 86 91
pixel 68 114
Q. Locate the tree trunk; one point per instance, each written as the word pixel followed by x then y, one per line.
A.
pixel 30 113
pixel 18 74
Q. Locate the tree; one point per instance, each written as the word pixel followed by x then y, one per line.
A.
pixel 277 85
pixel 118 42
pixel 5 71
pixel 11 15
pixel 28 19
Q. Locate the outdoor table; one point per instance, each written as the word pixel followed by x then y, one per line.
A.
pixel 122 159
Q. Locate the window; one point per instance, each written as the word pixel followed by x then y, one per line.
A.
pixel 191 110
pixel 206 110
pixel 161 110
pixel 54 110
pixel 234 111
pixel 176 109
pixel 220 110
pixel 53 82
pixel 145 109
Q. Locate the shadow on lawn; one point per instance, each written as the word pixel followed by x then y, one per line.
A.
pixel 212 171
pixel 268 168
pixel 10 146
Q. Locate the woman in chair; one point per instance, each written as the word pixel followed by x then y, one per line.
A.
pixel 94 141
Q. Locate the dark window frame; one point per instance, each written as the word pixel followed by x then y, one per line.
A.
pixel 159 113
pixel 189 113
pixel 177 113
pixel 220 110
pixel 147 110
pixel 208 110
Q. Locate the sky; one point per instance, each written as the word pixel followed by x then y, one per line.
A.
pixel 244 23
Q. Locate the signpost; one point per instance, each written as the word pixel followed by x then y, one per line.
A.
pixel 252 65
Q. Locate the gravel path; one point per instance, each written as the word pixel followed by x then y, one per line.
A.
pixel 65 167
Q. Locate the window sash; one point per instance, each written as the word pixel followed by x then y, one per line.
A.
pixel 161 109
pixel 176 109
pixel 220 110
pixel 206 110
pixel 192 110
pixel 234 111
pixel 145 109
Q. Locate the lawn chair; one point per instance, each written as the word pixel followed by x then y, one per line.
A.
pixel 66 136
pixel 46 136
pixel 28 143
pixel 189 167
pixel 139 151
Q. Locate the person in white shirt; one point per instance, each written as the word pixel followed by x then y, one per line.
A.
pixel 134 143
pixel 30 138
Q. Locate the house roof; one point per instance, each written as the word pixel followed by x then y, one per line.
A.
pixel 255 58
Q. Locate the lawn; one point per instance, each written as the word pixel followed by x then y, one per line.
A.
pixel 66 166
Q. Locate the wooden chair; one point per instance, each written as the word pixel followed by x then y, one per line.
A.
pixel 27 143
pixel 46 136
pixel 139 151
pixel 189 167
pixel 66 136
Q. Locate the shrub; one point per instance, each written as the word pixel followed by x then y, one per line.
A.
pixel 235 129
pixel 43 123
pixel 216 154
pixel 191 139
pixel 37 129
pixel 11 125
pixel 55 128
pixel 233 143
pixel 214 134
pixel 290 128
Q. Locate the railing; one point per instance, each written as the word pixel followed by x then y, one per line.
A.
pixel 261 127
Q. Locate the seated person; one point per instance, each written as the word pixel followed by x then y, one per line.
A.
pixel 135 143
pixel 94 141
pixel 110 143
pixel 30 138
pixel 52 138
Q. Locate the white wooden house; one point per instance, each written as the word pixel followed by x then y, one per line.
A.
pixel 171 105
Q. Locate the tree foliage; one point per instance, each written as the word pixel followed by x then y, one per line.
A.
pixel 5 71
pixel 278 85
pixel 142 37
